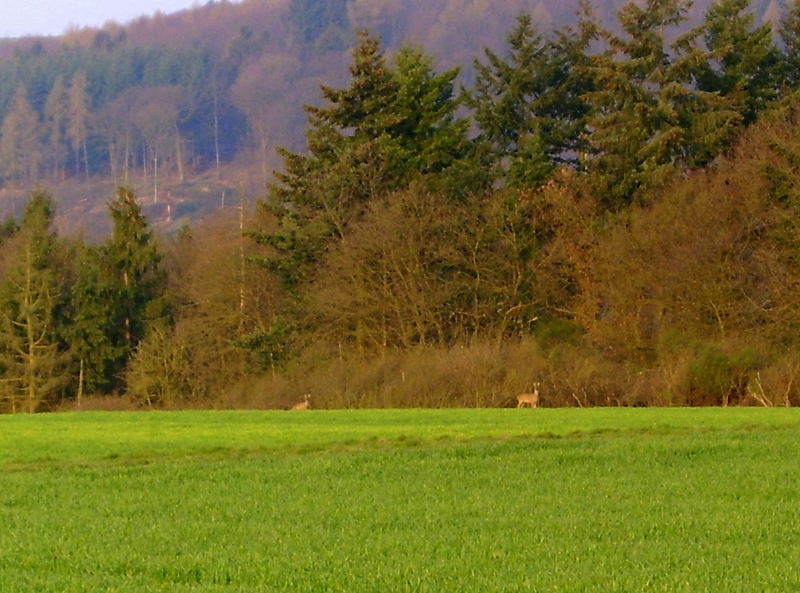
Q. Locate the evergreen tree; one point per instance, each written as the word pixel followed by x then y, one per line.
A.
pixel 118 294
pixel 529 105
pixel 790 35
pixel 29 293
pixel 646 118
pixel 20 149
pixel 431 142
pixel 133 260
pixel 97 358
pixel 78 121
pixel 389 127
pixel 507 91
pixel 564 101
pixel 319 191
pixel 743 62
pixel 55 121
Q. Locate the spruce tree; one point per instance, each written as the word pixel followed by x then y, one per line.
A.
pixel 790 35
pixel 743 61
pixel 431 143
pixel 118 294
pixel 529 105
pixel 392 126
pixel 20 149
pixel 79 111
pixel 55 120
pixel 647 119
pixel 133 261
pixel 32 360
pixel 507 89
pixel 389 127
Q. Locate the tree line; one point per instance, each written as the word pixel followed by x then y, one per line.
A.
pixel 611 214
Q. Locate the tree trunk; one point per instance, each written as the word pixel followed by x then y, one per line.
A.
pixel 216 132
pixel 155 178
pixel 79 396
pixel 112 158
pixel 179 155
pixel 86 158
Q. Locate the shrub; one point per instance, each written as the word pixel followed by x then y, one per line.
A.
pixel 715 376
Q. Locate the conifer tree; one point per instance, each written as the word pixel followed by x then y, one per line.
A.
pixel 646 118
pixel 118 295
pixel 507 90
pixel 790 35
pixel 29 294
pixel 96 357
pixel 78 121
pixel 391 127
pixel 20 149
pixel 431 142
pixel 565 99
pixel 529 105
pixel 55 120
pixel 743 61
pixel 133 260
pixel 388 127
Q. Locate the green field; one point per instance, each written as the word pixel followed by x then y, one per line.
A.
pixel 601 500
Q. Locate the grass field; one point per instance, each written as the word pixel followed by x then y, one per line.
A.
pixel 600 500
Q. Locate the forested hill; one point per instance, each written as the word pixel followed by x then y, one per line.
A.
pixel 189 107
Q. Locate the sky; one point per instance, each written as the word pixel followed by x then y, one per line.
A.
pixel 52 17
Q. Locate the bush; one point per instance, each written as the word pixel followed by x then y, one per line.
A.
pixel 715 377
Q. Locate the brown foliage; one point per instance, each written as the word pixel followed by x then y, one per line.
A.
pixel 419 269
pixel 712 257
pixel 220 297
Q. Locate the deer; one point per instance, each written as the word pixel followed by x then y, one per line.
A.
pixel 529 399
pixel 303 405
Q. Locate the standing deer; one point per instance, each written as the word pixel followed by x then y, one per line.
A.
pixel 529 399
pixel 303 405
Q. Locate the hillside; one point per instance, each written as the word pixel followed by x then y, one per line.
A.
pixel 189 107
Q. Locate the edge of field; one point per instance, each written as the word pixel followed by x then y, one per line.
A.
pixel 101 438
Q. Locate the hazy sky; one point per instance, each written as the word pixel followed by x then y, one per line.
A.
pixel 53 17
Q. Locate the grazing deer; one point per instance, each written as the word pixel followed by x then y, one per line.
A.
pixel 303 405
pixel 529 399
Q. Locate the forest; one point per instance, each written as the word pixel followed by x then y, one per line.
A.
pixel 609 212
pixel 178 94
pixel 188 107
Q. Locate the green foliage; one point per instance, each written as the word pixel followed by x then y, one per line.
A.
pixel 716 377
pixel 118 294
pixel 30 353
pixel 531 165
pixel 390 128
pixel 507 90
pixel 743 62
pixel 528 106
pixel 647 120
